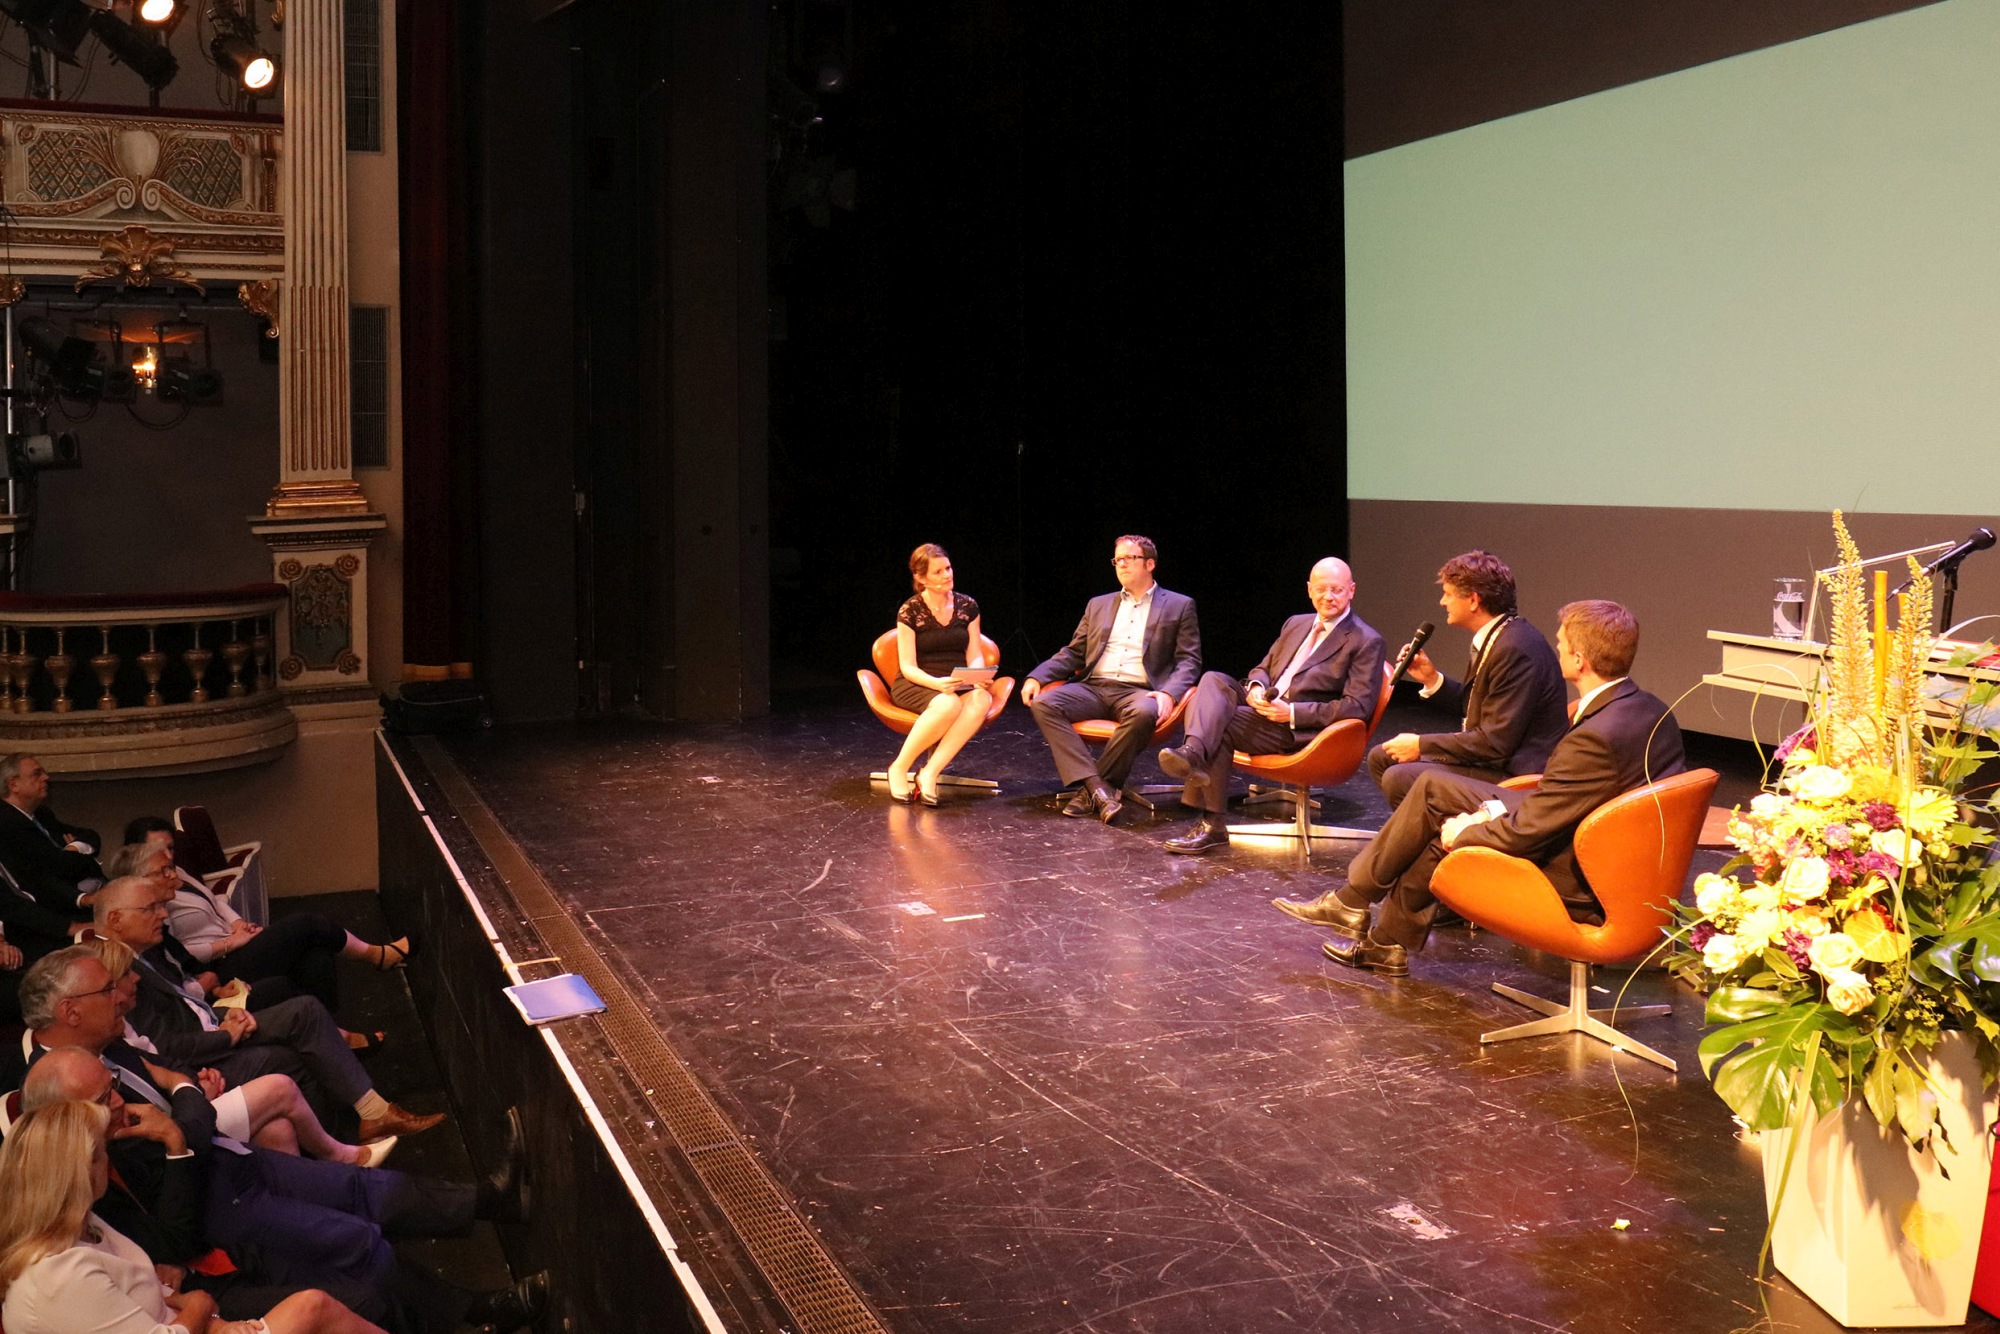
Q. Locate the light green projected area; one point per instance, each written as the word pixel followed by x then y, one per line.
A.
pixel 1772 282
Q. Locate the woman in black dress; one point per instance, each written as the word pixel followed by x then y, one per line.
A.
pixel 936 630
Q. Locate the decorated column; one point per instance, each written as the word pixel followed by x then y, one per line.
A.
pixel 317 521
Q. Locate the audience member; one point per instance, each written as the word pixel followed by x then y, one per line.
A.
pixel 54 861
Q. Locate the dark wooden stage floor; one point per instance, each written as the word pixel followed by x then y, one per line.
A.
pixel 1031 1074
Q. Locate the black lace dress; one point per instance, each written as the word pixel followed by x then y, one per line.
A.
pixel 940 646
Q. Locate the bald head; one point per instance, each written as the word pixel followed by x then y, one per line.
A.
pixel 61 1075
pixel 130 909
pixel 1331 588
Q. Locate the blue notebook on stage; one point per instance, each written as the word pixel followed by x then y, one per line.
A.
pixel 561 997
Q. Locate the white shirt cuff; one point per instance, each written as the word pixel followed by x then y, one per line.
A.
pixel 1436 684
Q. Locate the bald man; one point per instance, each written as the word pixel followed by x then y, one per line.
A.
pixel 1325 666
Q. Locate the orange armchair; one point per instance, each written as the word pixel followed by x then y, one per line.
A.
pixel 1635 851
pixel 889 668
pixel 1099 730
pixel 1328 760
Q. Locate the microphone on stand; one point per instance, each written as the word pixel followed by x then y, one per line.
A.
pixel 1980 539
pixel 1424 632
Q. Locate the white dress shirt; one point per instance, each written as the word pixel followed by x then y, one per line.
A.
pixel 1480 637
pixel 1124 656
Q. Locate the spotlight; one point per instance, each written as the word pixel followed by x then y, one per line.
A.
pixel 43 453
pixel 241 57
pixel 147 56
pixel 181 381
pixel 55 25
pixel 70 360
pixel 158 12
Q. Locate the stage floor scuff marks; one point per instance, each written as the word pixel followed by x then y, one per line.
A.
pixel 1031 1074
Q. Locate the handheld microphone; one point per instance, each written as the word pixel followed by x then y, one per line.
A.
pixel 1980 539
pixel 1424 632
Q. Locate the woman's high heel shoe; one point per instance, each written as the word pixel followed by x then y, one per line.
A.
pixel 907 795
pixel 927 794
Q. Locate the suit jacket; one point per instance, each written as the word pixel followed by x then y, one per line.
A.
pixel 1628 739
pixel 1342 678
pixel 161 1012
pixel 28 923
pixel 1173 643
pixel 1513 707
pixel 31 848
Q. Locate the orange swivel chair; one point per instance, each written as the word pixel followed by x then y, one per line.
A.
pixel 1328 760
pixel 888 667
pixel 1635 851
pixel 1099 730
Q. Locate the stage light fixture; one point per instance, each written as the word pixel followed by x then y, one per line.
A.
pixel 181 381
pixel 71 361
pixel 158 12
pixel 54 25
pixel 146 54
pixel 43 453
pixel 235 51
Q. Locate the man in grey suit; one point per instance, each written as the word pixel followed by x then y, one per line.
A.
pixel 1623 738
pixel 1510 703
pixel 1325 666
pixel 1133 654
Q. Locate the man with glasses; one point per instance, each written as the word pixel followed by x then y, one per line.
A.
pixel 296 1037
pixel 1134 653
pixel 1325 666
pixel 54 861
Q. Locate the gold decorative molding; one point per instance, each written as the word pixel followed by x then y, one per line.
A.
pixel 261 298
pixel 339 495
pixel 134 257
pixel 12 289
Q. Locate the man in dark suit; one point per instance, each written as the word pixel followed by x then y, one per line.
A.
pixel 1511 700
pixel 1325 666
pixel 54 861
pixel 1623 738
pixel 295 1037
pixel 1133 655
pixel 28 930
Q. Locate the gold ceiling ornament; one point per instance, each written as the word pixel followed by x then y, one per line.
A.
pixel 12 289
pixel 261 298
pixel 134 258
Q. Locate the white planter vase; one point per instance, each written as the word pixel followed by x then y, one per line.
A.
pixel 1876 1234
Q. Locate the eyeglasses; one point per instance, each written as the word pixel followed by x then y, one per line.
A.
pixel 1126 560
pixel 101 991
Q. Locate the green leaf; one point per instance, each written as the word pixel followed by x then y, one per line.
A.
pixel 1878 943
pixel 1732 1005
pixel 1913 1112
pixel 1879 1087
pixel 1782 1051
pixel 1781 963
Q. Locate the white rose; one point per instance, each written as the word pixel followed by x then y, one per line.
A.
pixel 1897 843
pixel 1723 953
pixel 1714 893
pixel 1767 804
pixel 1758 928
pixel 1805 879
pixel 1848 992
pixel 1833 953
pixel 1819 782
pixel 1809 924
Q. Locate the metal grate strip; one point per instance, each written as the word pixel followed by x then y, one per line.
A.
pixel 814 1288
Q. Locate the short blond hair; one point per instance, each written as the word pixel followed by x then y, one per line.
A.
pixel 1604 634
pixel 45 1187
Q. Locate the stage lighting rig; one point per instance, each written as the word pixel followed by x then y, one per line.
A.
pixel 160 13
pixel 146 54
pixel 236 53
pixel 72 362
pixel 42 452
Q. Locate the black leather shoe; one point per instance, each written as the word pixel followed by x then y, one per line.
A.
pixel 1109 803
pixel 1328 911
pixel 1082 805
pixel 1208 834
pixel 508 1309
pixel 1388 960
pixel 1176 761
pixel 503 1195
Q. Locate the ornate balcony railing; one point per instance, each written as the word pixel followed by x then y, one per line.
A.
pixel 148 683
pixel 140 197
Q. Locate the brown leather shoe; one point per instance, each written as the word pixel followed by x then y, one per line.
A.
pixel 1367 954
pixel 1208 834
pixel 398 1122
pixel 1109 801
pixel 1328 911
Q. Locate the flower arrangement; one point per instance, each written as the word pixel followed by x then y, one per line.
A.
pixel 1860 920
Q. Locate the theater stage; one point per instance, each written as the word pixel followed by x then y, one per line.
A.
pixel 985 1068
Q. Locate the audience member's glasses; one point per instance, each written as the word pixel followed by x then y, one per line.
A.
pixel 1126 560
pixel 101 991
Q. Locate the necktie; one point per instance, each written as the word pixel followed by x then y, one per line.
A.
pixel 146 1089
pixel 1299 659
